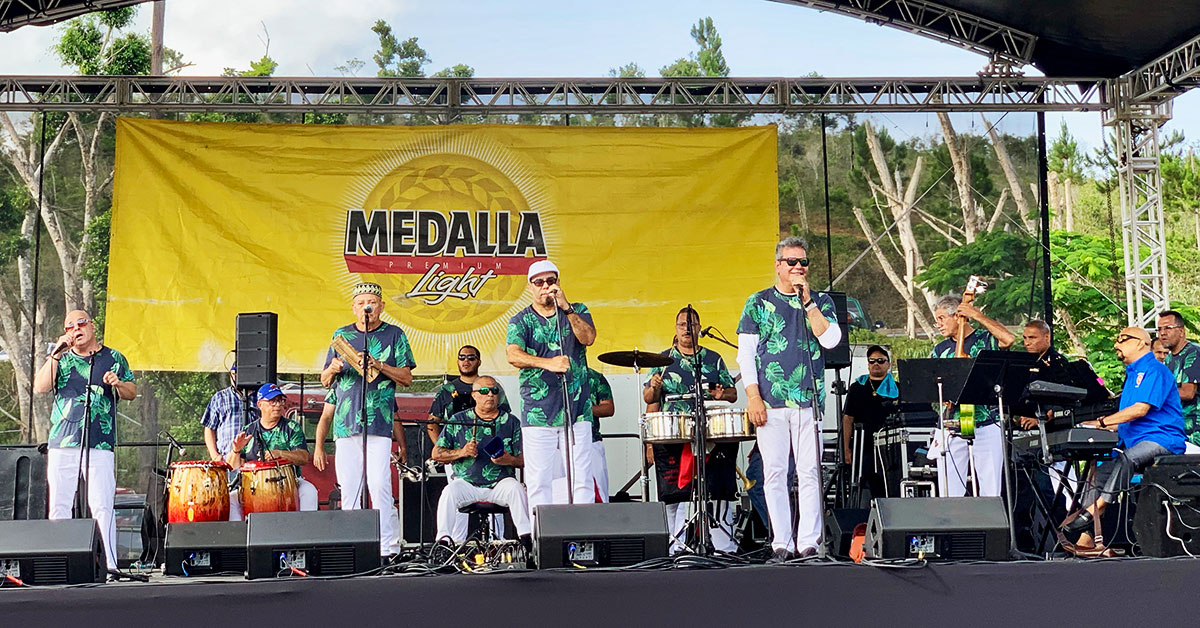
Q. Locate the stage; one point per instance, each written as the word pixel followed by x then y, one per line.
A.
pixel 1137 591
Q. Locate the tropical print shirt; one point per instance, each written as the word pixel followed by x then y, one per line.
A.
pixel 480 470
pixel 388 345
pixel 978 340
pixel 287 435
pixel 788 358
pixel 601 392
pixel 70 398
pixel 679 377
pixel 1186 367
pixel 541 390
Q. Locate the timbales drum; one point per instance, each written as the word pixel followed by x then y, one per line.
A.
pixel 663 428
pixel 729 425
pixel 198 491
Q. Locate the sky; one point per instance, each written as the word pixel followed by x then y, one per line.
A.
pixel 538 38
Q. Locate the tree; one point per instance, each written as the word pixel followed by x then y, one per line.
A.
pixel 708 60
pixel 398 58
pixel 1066 162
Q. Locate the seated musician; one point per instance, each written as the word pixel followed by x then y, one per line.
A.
pixel 479 477
pixel 272 437
pixel 674 477
pixel 1051 364
pixel 1149 423
pixel 865 408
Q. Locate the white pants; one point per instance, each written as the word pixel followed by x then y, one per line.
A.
pixel 307 492
pixel 791 431
pixel 458 493
pixel 722 540
pixel 600 469
pixel 348 464
pixel 989 462
pixel 62 469
pixel 543 446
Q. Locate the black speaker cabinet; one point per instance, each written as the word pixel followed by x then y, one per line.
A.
pixel 23 488
pixel 839 356
pixel 414 511
pixel 204 548
pixel 41 552
pixel 320 543
pixel 256 349
pixel 1167 503
pixel 599 535
pixel 938 528
pixel 839 528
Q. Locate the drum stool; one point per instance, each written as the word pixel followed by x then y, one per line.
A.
pixel 480 519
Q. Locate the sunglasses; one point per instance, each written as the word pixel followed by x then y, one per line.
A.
pixel 877 360
pixel 792 261
pixel 548 281
pixel 79 324
pixel 1124 337
pixel 467 358
pixel 486 390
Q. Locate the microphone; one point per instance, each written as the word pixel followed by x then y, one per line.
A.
pixel 62 346
pixel 174 443
pixel 367 309
pixel 706 332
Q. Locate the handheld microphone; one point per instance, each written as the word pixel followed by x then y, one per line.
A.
pixel 174 443
pixel 62 346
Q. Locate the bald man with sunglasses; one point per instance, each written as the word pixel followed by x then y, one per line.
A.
pixel 82 371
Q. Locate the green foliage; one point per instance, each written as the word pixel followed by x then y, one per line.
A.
pixel 460 70
pixel 1005 260
pixel 93 45
pixel 1085 283
pixel 1064 157
pixel 398 58
pixel 900 347
pixel 184 397
pixel 629 70
pixel 95 265
pixel 709 57
pixel 264 66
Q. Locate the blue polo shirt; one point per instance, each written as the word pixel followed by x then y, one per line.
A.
pixel 1149 381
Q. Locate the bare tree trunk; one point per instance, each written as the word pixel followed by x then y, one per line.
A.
pixel 961 163
pixel 1055 201
pixel 1010 175
pixel 1068 205
pixel 1068 324
pixel 914 309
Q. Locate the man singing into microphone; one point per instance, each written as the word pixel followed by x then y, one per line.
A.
pixel 80 363
pixel 389 352
pixel 548 341
pixel 780 337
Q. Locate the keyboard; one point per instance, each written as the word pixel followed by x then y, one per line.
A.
pixel 1082 443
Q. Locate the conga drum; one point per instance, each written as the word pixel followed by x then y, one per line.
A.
pixel 198 491
pixel 269 486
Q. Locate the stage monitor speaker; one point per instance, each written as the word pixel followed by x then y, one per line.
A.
pixel 599 535
pixel 256 349
pixel 938 528
pixel 204 548
pixel 414 511
pixel 23 489
pixel 319 543
pixel 839 356
pixel 42 552
pixel 1169 505
pixel 839 528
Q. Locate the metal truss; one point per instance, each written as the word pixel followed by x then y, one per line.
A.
pixel 17 13
pixel 1143 228
pixel 935 21
pixel 455 96
pixel 1169 75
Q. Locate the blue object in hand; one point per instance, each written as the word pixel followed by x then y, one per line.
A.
pixel 494 448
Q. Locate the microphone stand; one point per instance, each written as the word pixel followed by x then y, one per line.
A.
pixel 363 410
pixel 568 411
pixel 83 475
pixel 700 447
pixel 818 420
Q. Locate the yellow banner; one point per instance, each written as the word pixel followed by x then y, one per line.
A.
pixel 210 220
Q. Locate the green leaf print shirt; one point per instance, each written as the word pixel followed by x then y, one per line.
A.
pixel 70 398
pixel 480 470
pixel 541 390
pixel 1186 367
pixel 788 358
pixel 973 343
pixel 388 345
pixel 680 375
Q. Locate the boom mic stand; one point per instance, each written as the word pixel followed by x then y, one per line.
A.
pixel 699 447
pixel 568 411
pixel 83 473
pixel 808 337
pixel 362 494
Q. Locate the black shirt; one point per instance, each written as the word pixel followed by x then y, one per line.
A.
pixel 866 406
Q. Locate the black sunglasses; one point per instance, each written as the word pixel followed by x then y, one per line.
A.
pixel 467 358
pixel 877 360
pixel 548 281
pixel 792 261
pixel 486 390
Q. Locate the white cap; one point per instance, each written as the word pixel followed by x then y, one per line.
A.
pixel 541 266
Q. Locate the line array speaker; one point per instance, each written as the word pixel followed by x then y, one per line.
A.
pixel 256 349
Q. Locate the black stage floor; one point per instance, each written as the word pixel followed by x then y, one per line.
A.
pixel 1141 592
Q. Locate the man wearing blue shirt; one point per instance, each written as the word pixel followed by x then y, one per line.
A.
pixel 1149 423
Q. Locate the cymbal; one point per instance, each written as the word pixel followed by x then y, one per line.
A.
pixel 635 359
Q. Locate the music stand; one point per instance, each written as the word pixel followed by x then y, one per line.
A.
pixel 937 381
